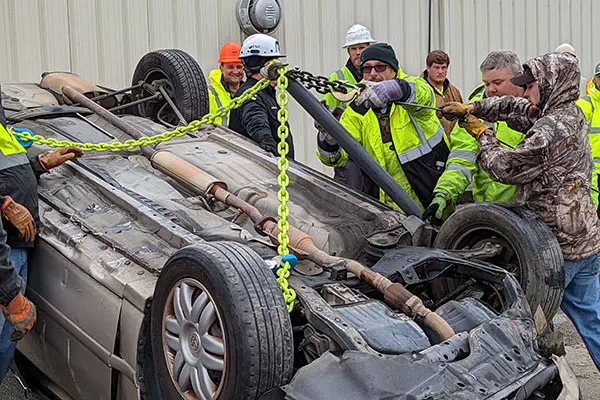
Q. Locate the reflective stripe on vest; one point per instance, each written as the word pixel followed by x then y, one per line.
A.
pixel 589 100
pixel 594 130
pixel 426 146
pixel 13 160
pixel 467 155
pixel 597 160
pixel 340 75
pixel 219 104
pixel 464 171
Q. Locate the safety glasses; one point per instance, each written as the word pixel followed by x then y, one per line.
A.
pixel 365 69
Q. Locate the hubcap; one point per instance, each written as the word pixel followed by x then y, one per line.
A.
pixel 193 341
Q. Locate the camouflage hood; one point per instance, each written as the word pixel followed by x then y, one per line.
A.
pixel 558 77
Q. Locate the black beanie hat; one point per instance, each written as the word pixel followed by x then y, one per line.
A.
pixel 381 52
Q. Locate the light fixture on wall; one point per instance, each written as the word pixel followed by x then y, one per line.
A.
pixel 258 16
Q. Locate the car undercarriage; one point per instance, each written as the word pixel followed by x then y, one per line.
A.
pixel 153 272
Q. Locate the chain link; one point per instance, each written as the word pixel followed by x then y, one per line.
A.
pixel 283 196
pixel 149 140
pixel 320 83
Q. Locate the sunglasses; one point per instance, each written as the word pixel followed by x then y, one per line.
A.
pixel 365 69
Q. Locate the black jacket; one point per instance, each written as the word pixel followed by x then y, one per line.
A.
pixel 20 183
pixel 10 282
pixel 257 118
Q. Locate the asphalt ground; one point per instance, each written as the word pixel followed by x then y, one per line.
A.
pixel 577 356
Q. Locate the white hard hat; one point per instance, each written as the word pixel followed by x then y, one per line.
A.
pixel 260 45
pixel 357 34
pixel 566 48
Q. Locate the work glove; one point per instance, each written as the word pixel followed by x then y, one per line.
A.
pixel 59 157
pixel 380 94
pixel 435 212
pixel 473 125
pixel 21 314
pixel 269 146
pixel 455 110
pixel 323 135
pixel 20 217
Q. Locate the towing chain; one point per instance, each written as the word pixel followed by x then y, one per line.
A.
pixel 149 140
pixel 283 196
pixel 320 83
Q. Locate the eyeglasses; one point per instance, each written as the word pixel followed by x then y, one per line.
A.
pixel 365 69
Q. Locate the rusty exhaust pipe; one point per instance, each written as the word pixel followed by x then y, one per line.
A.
pixel 199 181
pixel 394 294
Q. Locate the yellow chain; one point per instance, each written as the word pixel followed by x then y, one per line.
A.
pixel 150 140
pixel 283 132
pixel 283 273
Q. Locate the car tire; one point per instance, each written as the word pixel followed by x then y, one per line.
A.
pixel 254 323
pixel 531 250
pixel 186 84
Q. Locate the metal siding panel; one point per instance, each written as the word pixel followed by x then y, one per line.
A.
pixel 470 64
pixel 104 39
pixel 587 60
pixel 55 36
pixel 7 47
pixel 482 48
pixel 111 43
pixel 135 36
pixel 202 39
pixel 160 24
pixel 26 41
pixel 331 47
pixel 532 38
pixel 83 36
pixel 521 28
pixel 554 24
pixel 543 15
pixel 229 29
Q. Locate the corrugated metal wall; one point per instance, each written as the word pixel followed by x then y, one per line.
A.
pixel 103 39
pixel 469 29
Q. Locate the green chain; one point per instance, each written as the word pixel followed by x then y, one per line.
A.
pixel 149 140
pixel 283 211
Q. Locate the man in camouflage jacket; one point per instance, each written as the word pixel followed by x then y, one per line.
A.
pixel 552 169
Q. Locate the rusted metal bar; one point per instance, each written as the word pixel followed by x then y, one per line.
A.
pixel 172 104
pixel 103 113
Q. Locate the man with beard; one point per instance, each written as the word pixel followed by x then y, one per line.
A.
pixel 461 169
pixel 552 169
pixel 358 38
pixel 226 80
pixel 408 141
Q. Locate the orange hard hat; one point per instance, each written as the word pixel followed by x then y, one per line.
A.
pixel 230 53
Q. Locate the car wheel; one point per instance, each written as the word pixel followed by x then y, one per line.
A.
pixel 219 325
pixel 529 248
pixel 180 76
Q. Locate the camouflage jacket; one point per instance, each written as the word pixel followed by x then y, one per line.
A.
pixel 552 166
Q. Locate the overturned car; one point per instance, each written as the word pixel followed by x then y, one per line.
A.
pixel 153 271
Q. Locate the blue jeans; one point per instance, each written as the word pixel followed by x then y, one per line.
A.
pixel 7 347
pixel 581 302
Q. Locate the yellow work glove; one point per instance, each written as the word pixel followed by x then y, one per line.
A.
pixel 473 125
pixel 455 110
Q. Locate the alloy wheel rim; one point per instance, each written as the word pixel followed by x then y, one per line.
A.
pixel 193 341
